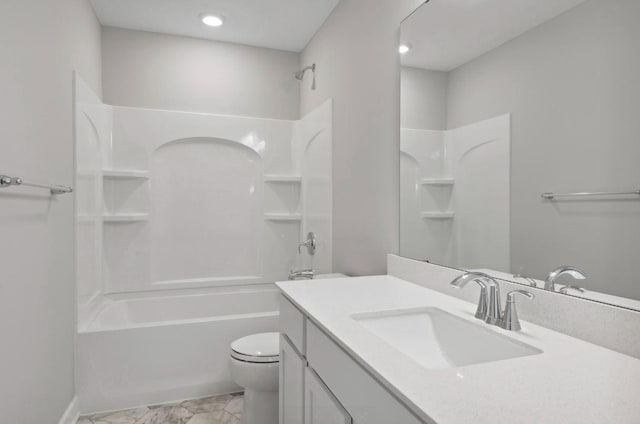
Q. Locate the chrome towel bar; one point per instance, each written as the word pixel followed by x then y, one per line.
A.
pixel 551 196
pixel 7 181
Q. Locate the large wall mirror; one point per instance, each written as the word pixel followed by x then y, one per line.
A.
pixel 520 142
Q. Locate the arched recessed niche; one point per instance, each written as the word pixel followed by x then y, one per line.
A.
pixel 206 210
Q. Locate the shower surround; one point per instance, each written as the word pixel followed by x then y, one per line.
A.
pixel 454 194
pixel 184 221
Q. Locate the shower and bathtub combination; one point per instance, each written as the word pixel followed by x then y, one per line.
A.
pixel 184 221
pixel 454 194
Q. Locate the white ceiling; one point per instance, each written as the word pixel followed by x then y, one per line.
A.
pixel 445 34
pixel 277 24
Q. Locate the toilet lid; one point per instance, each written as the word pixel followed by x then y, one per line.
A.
pixel 262 347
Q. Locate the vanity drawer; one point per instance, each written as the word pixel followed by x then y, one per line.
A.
pixel 292 323
pixel 363 396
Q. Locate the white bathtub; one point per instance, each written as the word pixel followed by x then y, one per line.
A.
pixel 160 348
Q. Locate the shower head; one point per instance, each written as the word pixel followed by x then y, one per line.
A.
pixel 300 74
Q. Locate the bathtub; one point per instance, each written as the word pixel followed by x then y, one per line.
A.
pixel 147 349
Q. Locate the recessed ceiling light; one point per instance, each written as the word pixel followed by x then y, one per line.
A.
pixel 404 48
pixel 212 20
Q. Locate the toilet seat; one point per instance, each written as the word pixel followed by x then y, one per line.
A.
pixel 262 348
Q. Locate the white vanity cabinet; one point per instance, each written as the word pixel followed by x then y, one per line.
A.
pixel 304 397
pixel 322 383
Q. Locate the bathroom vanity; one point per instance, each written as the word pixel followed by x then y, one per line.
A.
pixel 384 350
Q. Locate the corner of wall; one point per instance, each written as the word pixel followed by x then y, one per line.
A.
pixel 358 66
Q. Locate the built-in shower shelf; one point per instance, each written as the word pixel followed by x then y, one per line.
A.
pixel 282 217
pixel 437 215
pixel 125 173
pixel 282 178
pixel 437 181
pixel 127 217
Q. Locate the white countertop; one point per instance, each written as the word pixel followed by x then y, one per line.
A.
pixel 571 382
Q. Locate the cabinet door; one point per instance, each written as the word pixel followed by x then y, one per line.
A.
pixel 320 406
pixel 292 367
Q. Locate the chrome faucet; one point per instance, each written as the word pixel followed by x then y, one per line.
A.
pixel 481 310
pixel 530 280
pixel 489 310
pixel 550 282
pixel 565 289
pixel 510 319
pixel 493 308
pixel 304 274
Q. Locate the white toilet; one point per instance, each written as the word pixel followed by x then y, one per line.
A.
pixel 254 365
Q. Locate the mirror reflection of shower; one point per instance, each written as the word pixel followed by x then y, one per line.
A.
pixel 300 74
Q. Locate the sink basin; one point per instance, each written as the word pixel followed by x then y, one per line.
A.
pixel 437 339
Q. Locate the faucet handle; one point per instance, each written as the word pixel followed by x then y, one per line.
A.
pixel 511 295
pixel 564 289
pixel 309 243
pixel 510 319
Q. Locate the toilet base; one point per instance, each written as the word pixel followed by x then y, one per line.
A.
pixel 260 407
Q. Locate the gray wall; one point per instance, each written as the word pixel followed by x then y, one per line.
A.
pixel 423 99
pixel 143 69
pixel 356 51
pixel 42 43
pixel 573 87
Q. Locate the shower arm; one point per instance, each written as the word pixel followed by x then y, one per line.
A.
pixel 300 74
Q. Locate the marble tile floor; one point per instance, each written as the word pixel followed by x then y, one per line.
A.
pixel 224 409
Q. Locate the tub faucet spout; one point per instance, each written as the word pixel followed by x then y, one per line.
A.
pixel 303 274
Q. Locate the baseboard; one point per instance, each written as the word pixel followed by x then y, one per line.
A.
pixel 72 413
